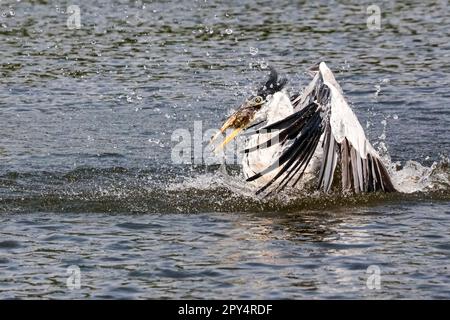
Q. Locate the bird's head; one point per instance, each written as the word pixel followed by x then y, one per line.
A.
pixel 253 109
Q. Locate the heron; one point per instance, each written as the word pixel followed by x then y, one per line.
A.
pixel 299 139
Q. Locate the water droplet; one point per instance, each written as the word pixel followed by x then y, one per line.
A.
pixel 253 51
pixel 395 117
pixel 378 88
pixel 228 31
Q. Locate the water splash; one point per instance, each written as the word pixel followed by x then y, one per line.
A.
pixel 168 189
pixel 414 177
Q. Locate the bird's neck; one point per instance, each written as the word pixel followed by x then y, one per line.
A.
pixel 279 107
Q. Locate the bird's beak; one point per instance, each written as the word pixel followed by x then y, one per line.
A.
pixel 231 136
pixel 239 120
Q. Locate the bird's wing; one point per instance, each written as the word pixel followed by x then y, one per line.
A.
pixel 361 166
pixel 308 94
pixel 299 134
pixel 321 114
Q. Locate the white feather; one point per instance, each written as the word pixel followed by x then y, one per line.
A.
pixel 278 107
pixel 343 121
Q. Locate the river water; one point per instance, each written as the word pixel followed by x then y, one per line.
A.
pixel 88 183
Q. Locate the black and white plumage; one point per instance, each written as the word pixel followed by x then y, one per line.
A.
pixel 306 137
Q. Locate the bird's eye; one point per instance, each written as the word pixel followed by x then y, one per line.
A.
pixel 258 100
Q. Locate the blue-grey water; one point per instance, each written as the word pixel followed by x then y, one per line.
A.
pixel 87 178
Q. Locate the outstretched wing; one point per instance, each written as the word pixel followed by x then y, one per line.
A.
pixel 322 116
pixel 362 168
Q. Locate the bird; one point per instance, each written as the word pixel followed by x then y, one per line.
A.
pixel 303 139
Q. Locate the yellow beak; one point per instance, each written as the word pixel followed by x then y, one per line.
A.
pixel 230 137
pixel 226 125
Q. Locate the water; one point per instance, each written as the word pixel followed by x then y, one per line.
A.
pixel 86 177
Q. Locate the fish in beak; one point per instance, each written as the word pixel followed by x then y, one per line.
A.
pixel 239 120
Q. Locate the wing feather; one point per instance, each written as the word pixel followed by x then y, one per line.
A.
pixel 358 157
pixel 322 113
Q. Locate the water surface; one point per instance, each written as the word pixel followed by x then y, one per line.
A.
pixel 86 176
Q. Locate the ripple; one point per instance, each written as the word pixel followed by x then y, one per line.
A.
pixel 10 244
pixel 139 226
pixel 86 176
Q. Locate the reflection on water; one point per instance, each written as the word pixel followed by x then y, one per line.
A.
pixel 292 255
